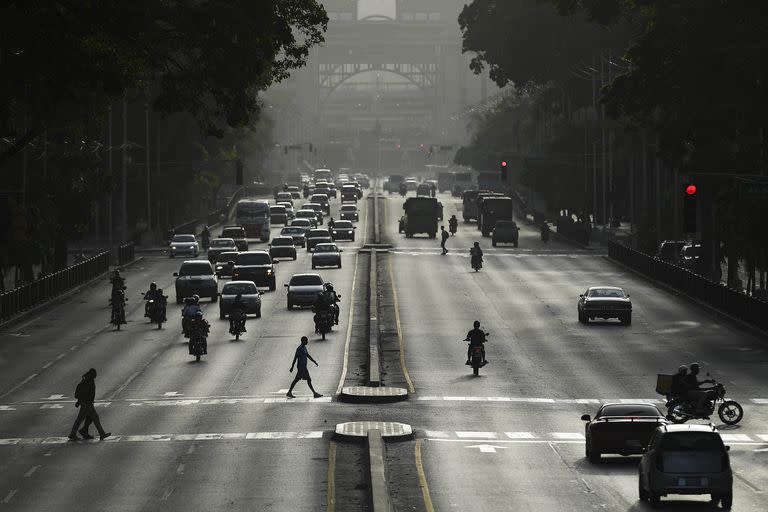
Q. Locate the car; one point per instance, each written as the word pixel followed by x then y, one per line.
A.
pixel 306 224
pixel 256 266
pixel 323 200
pixel 289 211
pixel 223 269
pixel 686 459
pixel 236 233
pixel 505 232
pixel 295 192
pixel 326 255
pixel 282 247
pixel 669 250
pixel 423 190
pixel 317 207
pixel 620 428
pixel 307 214
pixel 411 184
pixel 284 197
pixel 314 235
pixel 303 289
pixel 343 230
pixel 250 297
pixel 219 245
pixel 299 235
pixel 690 255
pixel 605 302
pixel 363 180
pixel 183 244
pixel 349 193
pixel 349 212
pixel 196 277
pixel 277 214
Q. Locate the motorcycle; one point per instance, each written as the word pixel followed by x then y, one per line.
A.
pixel 118 313
pixel 545 234
pixel 477 262
pixel 198 345
pixel 156 311
pixel 680 410
pixel 237 321
pixel 324 322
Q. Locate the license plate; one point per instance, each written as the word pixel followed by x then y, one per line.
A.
pixel 689 482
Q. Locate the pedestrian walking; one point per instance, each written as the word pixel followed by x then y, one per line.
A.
pixel 443 238
pixel 302 373
pixel 85 394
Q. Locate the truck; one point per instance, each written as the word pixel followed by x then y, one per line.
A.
pixel 421 215
pixel 462 181
pixel 445 181
pixel 492 209
pixel 469 204
pixel 253 215
pixel 392 185
pixel 322 175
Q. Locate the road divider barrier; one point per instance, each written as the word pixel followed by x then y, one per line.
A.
pixel 374 362
pixel 736 304
pixel 42 290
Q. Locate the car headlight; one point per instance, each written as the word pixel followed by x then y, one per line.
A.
pixel 269 272
pixel 349 232
pixel 173 247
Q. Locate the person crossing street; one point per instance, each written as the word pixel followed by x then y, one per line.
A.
pixel 302 373
pixel 443 238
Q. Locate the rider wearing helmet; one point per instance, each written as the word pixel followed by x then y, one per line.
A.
pixel 692 387
pixel 190 310
pixel 331 299
pixel 149 295
pixel 476 337
pixel 237 312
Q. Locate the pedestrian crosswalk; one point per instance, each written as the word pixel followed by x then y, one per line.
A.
pixel 151 438
pixel 557 437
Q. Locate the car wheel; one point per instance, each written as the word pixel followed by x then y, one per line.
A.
pixel 593 455
pixel 493 243
pixel 583 318
pixel 222 316
pixel 641 492
pixel 178 300
pixel 626 319
pixel 290 305
pixel 515 244
pixel 654 499
pixel 272 286
pixel 258 312
pixel 314 266
pixel 339 264
pixel 214 298
pixel 171 255
pixel 294 256
pixel 726 500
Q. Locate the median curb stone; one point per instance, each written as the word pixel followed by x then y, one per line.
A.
pixel 369 394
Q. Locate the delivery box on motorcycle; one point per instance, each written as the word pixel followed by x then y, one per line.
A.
pixel 664 384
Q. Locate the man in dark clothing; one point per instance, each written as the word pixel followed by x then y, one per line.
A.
pixel 443 238
pixel 476 337
pixel 85 393
pixel 693 391
pixel 302 373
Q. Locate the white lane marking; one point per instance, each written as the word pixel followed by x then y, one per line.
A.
pixel 7 408
pixel 285 435
pixel 47 365
pixel 166 494
pixel 279 391
pixel 60 356
pixel 180 469
pixel 487 448
pixel 762 401
pixel 436 433
pixel 52 406
pixel 221 436
pixel 17 386
pixel 31 471
pixel 73 347
pixel 54 397
pixel 519 435
pixel 10 495
pixel 568 435
pixel 475 435
pixel 734 437
pixel 763 437
pixel 345 359
pixel 172 393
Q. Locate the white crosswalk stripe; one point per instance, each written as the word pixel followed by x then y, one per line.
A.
pixel 309 434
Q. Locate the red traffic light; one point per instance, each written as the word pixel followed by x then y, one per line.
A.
pixel 690 190
pixel 503 163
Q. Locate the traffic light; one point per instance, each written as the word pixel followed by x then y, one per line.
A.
pixel 238 172
pixel 690 208
pixel 503 169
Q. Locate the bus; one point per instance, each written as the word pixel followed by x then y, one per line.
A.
pixel 253 216
pixel 322 175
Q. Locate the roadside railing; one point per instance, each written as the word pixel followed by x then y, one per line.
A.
pixel 42 290
pixel 126 253
pixel 737 304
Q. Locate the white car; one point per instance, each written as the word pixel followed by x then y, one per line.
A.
pixel 183 244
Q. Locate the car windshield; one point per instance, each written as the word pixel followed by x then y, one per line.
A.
pixel 226 256
pixel 349 208
pixel 183 238
pixel 692 251
pixel 253 259
pixel 319 199
pixel 195 269
pixel 300 222
pixel 277 209
pixel 233 233
pixel 222 243
pixel 629 410
pixel 306 214
pixel 326 248
pixel 317 233
pixel 343 224
pixel 282 241
pixel 504 224
pixel 235 288
pixel 291 231
pixel 606 292
pixel 306 280
pixel 312 206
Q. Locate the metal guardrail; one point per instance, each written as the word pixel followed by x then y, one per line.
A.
pixel 126 253
pixel 749 309
pixel 37 292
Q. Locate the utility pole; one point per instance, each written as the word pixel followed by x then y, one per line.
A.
pixel 124 190
pixel 109 166
pixel 603 167
pixel 149 197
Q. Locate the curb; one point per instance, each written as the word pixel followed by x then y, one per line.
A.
pixel 377 471
pixel 372 395
pixel 700 303
pixel 374 361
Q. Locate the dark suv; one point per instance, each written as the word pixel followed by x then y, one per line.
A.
pixel 236 233
pixel 256 266
pixel 196 277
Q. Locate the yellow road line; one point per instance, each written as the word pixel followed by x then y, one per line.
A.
pixel 407 376
pixel 423 479
pixel 349 330
pixel 331 501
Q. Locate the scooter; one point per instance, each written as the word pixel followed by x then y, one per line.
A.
pixel 237 318
pixel 118 313
pixel 156 313
pixel 324 323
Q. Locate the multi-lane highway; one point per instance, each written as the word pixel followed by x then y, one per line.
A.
pixel 221 435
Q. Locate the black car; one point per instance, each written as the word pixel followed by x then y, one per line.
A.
pixel 298 234
pixel 282 247
pixel 314 235
pixel 236 233
pixel 223 269
pixel 343 230
pixel 256 266
pixel 196 277
pixel 604 302
pixel 620 428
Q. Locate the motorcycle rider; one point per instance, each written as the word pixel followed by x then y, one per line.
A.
pixel 476 337
pixel 162 299
pixel 693 391
pixel 332 299
pixel 331 223
pixel 545 232
pixel 149 295
pixel 201 324
pixel 237 313
pixel 118 284
pixel 206 237
pixel 453 225
pixel 678 381
pixel 118 307
pixel 189 311
pixel 476 252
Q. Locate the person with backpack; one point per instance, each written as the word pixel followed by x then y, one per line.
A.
pixel 85 394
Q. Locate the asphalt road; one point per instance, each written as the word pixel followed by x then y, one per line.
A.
pixel 221 435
